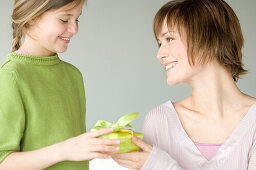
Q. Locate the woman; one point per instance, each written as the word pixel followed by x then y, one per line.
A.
pixel 200 44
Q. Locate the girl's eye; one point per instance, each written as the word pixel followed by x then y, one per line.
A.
pixel 64 21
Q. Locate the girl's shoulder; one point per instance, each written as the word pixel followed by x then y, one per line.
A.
pixel 9 68
pixel 70 67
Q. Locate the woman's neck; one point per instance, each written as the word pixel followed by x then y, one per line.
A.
pixel 214 91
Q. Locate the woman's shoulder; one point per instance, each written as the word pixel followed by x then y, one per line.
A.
pixel 161 122
pixel 161 112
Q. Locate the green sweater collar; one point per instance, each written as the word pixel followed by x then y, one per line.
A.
pixel 30 59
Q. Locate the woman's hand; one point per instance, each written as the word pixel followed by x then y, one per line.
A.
pixel 134 160
pixel 87 146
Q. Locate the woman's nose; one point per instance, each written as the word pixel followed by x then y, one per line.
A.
pixel 162 52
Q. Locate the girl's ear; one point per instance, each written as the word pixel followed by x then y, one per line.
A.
pixel 32 21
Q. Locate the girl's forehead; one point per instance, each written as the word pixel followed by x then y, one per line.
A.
pixel 70 6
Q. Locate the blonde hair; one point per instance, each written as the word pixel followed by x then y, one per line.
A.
pixel 26 10
pixel 212 31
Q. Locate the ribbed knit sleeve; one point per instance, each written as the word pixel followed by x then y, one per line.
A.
pixel 12 119
pixel 159 159
pixel 152 129
pixel 252 156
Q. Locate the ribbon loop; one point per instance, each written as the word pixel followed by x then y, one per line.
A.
pixel 127 131
pixel 122 122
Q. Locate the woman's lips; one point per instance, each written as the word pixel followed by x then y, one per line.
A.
pixel 170 65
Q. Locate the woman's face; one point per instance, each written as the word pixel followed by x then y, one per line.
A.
pixel 173 55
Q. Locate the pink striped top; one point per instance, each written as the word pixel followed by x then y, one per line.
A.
pixel 207 150
pixel 174 150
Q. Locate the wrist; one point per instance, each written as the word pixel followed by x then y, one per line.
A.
pixel 59 153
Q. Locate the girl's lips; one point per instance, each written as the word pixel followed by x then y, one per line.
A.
pixel 65 39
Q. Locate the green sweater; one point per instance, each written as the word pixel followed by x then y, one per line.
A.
pixel 42 102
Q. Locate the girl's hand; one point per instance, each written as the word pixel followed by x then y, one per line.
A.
pixel 134 160
pixel 87 146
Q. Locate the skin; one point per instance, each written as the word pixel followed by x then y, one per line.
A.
pixel 211 108
pixel 44 39
pixel 45 34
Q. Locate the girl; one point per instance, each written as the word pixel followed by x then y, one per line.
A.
pixel 42 102
pixel 200 44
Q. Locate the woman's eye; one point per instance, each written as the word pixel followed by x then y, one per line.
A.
pixel 169 39
pixel 159 43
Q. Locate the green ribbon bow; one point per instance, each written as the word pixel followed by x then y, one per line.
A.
pixel 124 135
pixel 122 122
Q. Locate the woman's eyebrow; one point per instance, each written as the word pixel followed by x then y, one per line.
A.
pixel 163 34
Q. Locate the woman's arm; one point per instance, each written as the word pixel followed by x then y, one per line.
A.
pixel 149 159
pixel 252 155
pixel 84 147
pixel 159 159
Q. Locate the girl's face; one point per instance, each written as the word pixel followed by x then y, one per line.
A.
pixel 52 31
pixel 173 55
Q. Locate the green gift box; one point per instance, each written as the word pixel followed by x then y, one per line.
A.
pixel 124 135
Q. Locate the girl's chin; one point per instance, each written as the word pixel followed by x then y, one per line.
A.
pixel 62 50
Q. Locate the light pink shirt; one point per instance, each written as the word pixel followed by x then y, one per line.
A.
pixel 207 150
pixel 21 52
pixel 174 150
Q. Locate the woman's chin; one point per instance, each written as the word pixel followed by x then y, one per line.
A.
pixel 173 82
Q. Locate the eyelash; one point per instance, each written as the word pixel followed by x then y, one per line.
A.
pixel 64 21
pixel 168 39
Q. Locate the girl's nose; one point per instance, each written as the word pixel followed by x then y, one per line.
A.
pixel 73 28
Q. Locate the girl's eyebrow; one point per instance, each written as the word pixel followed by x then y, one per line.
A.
pixel 70 14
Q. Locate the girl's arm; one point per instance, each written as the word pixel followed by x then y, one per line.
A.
pixel 37 159
pixel 84 147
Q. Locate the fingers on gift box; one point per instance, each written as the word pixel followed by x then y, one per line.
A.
pixel 124 135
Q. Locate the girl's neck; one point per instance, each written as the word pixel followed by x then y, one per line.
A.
pixel 34 48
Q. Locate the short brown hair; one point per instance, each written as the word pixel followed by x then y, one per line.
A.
pixel 25 10
pixel 212 30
